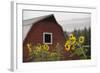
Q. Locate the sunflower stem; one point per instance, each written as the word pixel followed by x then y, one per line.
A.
pixel 81 48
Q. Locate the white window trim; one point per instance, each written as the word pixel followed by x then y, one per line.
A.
pixel 44 37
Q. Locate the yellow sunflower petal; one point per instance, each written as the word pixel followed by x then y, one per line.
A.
pixel 73 47
pixel 73 40
pixel 81 39
pixel 67 48
pixel 29 47
pixel 71 35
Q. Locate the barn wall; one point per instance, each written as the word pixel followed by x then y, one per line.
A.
pixel 35 35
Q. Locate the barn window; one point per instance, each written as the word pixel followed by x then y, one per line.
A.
pixel 47 38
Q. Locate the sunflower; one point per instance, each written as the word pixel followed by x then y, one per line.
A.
pixel 67 42
pixel 71 36
pixel 38 48
pixel 29 47
pixel 81 39
pixel 46 47
pixel 67 47
pixel 72 40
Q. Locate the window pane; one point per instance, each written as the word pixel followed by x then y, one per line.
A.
pixel 47 38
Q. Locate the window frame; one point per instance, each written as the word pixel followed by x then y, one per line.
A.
pixel 44 37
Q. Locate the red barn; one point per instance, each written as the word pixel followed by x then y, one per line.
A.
pixel 44 29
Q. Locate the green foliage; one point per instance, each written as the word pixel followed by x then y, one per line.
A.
pixel 54 56
pixel 78 51
pixel 41 53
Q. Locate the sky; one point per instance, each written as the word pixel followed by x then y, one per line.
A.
pixel 68 20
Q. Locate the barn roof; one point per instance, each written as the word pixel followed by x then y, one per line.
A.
pixel 27 24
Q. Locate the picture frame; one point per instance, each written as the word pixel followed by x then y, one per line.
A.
pixel 18 15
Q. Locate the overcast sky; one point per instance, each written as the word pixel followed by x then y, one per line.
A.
pixel 68 20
